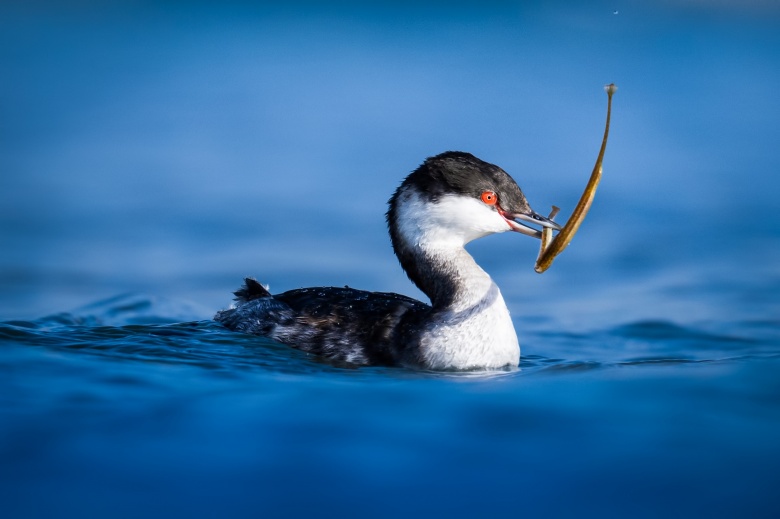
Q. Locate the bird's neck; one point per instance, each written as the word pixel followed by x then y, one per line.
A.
pixel 450 277
pixel 431 249
pixel 469 325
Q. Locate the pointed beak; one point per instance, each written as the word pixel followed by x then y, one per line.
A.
pixel 530 217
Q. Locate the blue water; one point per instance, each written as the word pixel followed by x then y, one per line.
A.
pixel 151 155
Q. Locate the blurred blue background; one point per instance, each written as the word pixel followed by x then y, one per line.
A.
pixel 171 148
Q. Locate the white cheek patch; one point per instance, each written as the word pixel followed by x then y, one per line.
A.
pixel 452 220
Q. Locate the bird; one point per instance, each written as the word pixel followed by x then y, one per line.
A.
pixel 450 200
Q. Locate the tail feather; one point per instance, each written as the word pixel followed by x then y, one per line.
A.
pixel 251 290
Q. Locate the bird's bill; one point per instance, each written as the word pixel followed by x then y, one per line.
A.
pixel 530 217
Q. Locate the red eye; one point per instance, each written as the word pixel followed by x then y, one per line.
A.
pixel 489 197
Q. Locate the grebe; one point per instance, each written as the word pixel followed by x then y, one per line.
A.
pixel 450 200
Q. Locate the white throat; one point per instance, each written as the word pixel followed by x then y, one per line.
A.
pixel 450 221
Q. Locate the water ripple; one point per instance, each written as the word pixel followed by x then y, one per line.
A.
pixel 146 329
